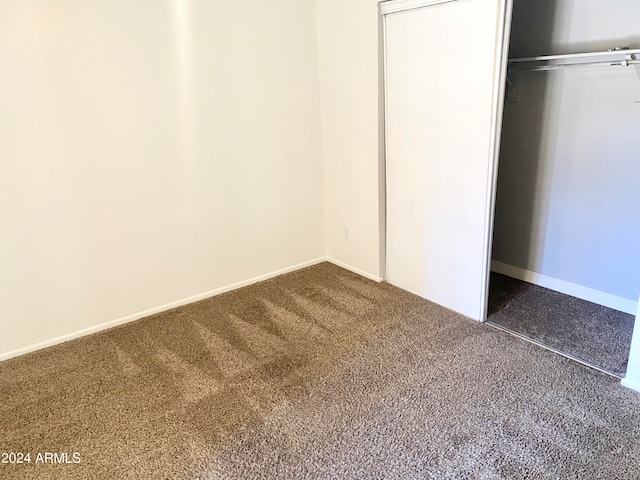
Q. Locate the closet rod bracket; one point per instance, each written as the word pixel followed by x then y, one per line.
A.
pixel 511 94
pixel 633 60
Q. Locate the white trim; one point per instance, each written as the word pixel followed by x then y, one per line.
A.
pixel 382 147
pixel 162 308
pixel 629 384
pixel 394 6
pixel 353 269
pixel 632 379
pixel 590 294
pixel 385 93
pixel 497 110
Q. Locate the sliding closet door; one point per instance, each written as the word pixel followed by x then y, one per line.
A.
pixel 444 76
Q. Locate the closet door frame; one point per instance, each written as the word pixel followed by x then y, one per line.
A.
pixel 499 94
pixel 497 108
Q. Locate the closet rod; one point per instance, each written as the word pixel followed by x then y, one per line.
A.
pixel 539 68
pixel 620 52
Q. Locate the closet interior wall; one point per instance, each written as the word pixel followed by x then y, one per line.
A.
pixel 568 183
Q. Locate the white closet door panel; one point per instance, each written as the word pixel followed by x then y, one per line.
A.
pixel 435 244
pixel 440 78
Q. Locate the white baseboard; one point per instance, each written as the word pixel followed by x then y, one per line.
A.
pixel 153 311
pixel 630 384
pixel 596 296
pixel 353 269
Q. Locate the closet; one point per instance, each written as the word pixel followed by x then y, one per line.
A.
pixel 568 184
pixel 565 162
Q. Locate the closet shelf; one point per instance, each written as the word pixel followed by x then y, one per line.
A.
pixel 614 57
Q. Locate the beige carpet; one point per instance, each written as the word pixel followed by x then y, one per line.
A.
pixel 589 332
pixel 315 374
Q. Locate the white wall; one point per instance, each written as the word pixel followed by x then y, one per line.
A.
pixel 568 185
pixel 348 56
pixel 152 150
